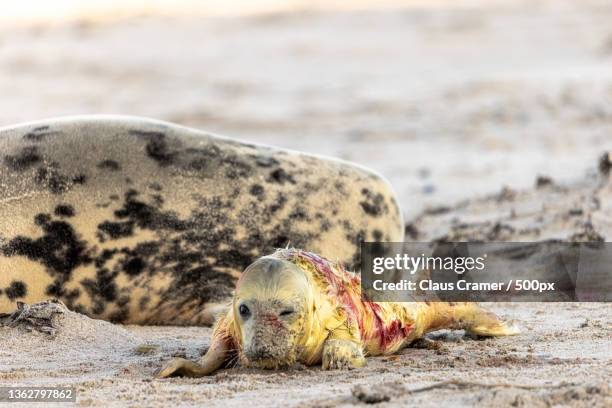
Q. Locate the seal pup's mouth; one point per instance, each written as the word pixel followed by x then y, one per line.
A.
pixel 271 351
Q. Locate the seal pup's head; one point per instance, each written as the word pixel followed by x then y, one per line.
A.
pixel 270 308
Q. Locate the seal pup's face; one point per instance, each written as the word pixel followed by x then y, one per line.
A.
pixel 270 304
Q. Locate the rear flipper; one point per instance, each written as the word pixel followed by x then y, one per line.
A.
pixel 480 322
pixel 471 317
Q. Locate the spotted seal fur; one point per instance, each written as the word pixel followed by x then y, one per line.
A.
pixel 295 306
pixel 140 221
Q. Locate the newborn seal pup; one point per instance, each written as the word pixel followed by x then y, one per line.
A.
pixel 295 306
pixel 145 222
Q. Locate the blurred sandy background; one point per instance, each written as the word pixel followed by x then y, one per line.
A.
pixel 448 99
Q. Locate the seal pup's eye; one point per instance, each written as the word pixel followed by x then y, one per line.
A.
pixel 244 311
pixel 286 312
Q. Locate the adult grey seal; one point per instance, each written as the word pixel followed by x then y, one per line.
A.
pixel 140 221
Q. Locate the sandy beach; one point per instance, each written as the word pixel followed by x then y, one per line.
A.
pixel 563 355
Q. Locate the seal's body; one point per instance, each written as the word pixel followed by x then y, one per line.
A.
pixel 140 221
pixel 295 306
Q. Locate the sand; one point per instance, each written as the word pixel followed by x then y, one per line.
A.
pixel 565 356
pixel 462 105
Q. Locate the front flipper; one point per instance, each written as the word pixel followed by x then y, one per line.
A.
pixel 180 367
pixel 342 354
pixel 217 355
